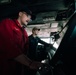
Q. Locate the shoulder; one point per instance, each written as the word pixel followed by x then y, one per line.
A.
pixel 6 24
pixel 38 37
pixel 30 36
pixel 6 21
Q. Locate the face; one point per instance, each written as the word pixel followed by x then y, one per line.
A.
pixel 24 18
pixel 35 32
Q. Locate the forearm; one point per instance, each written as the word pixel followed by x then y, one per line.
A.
pixel 23 60
pixel 43 42
pixel 27 62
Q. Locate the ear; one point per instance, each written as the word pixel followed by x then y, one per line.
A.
pixel 20 13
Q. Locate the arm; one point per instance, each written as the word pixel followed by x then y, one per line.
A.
pixel 27 62
pixel 42 42
pixel 23 60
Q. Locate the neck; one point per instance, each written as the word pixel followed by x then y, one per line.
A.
pixel 19 22
pixel 34 35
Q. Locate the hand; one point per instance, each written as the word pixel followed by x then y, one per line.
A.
pixel 35 65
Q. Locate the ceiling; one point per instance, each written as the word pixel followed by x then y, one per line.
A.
pixel 44 10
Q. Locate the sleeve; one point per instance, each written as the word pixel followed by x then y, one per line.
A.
pixel 42 42
pixel 8 49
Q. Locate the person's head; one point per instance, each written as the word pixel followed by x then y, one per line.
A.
pixel 35 31
pixel 24 17
pixel 23 14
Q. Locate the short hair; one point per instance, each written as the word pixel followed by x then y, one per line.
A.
pixel 36 28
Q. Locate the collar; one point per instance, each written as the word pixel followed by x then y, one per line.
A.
pixel 17 23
